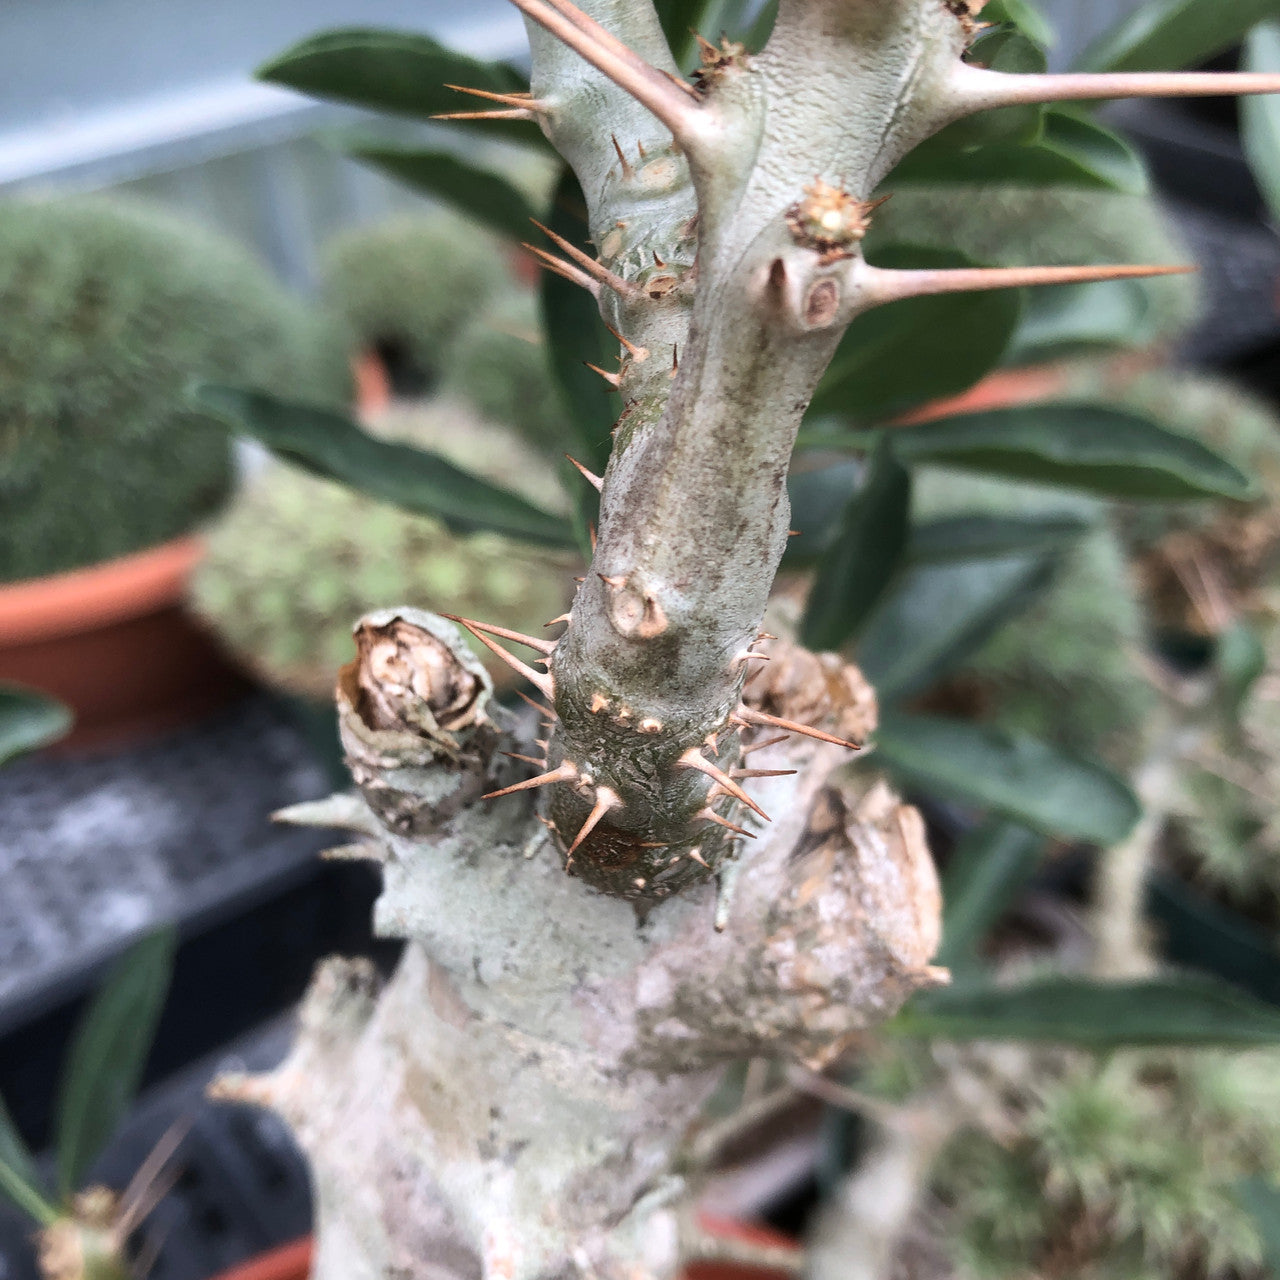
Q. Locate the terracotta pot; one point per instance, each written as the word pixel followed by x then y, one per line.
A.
pixel 114 643
pixel 293 1261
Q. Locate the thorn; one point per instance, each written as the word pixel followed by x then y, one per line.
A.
pixel 761 773
pixel 544 647
pixel 564 617
pixel 694 759
pixel 364 851
pixel 544 683
pixel 712 741
pixel 591 533
pixel 880 286
pixel 675 359
pixel 537 706
pixel 605 800
pixel 595 481
pixel 562 773
pixel 724 822
pixel 611 378
pixel 636 353
pixel 657 261
pixel 544 743
pixel 524 100
pixel 641 152
pixel 599 703
pixel 696 854
pixel 752 716
pixel 793 533
pixel 746 655
pixel 617 582
pixel 760 746
pixel 588 263
pixel 627 171
pixel 705 46
pixel 515 755
pixel 764 635
pixel 517 113
pixel 565 269
pixel 980 88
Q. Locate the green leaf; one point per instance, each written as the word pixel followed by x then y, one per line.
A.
pixel 856 569
pixel 1240 660
pixel 1181 1010
pixel 1032 782
pixel 1260 116
pixel 974 537
pixel 18 1178
pixel 1072 152
pixel 28 720
pixel 1024 15
pixel 575 334
pixel 330 445
pixel 1091 447
pixel 1073 318
pixel 1164 35
pixel 937 614
pixel 987 871
pixel 1260 1198
pixel 398 71
pixel 108 1053
pixel 893 358
pixel 478 193
pixel 818 499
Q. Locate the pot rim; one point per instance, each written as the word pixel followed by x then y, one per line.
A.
pixel 98 595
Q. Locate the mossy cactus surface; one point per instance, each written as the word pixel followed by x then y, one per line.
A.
pixel 1118 1169
pixel 296 560
pixel 108 313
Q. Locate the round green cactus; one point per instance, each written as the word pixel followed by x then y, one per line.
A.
pixel 122 309
pixel 1122 1169
pixel 406 288
pixel 296 560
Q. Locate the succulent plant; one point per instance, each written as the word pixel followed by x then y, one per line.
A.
pixel 1120 1169
pixel 121 309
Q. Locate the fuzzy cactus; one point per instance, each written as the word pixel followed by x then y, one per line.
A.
pixel 121 309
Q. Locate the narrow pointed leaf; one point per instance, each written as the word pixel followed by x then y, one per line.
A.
pixel 108 1053
pixel 978 536
pixel 1072 152
pixel 859 565
pixel 1039 785
pixel 1167 35
pixel 985 874
pixel 29 720
pixel 330 445
pixel 937 614
pixel 1091 447
pixel 14 1152
pixel 397 71
pixel 879 369
pixel 26 1195
pixel 1181 1010
pixel 477 193
pixel 576 334
pixel 1260 116
pixel 1260 1198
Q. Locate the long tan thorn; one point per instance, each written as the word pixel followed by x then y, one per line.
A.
pixel 694 759
pixel 605 800
pixel 515 755
pixel 564 617
pixel 544 683
pixel 751 716
pixel 760 746
pixel 537 706
pixel 611 378
pixel 515 113
pixel 524 100
pixel 138 1193
pixel 588 263
pixel 880 286
pixel 665 96
pixel 724 822
pixel 762 773
pixel 595 481
pixel 636 353
pixel 544 647
pixel 979 88
pixel 575 275
pixel 563 773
